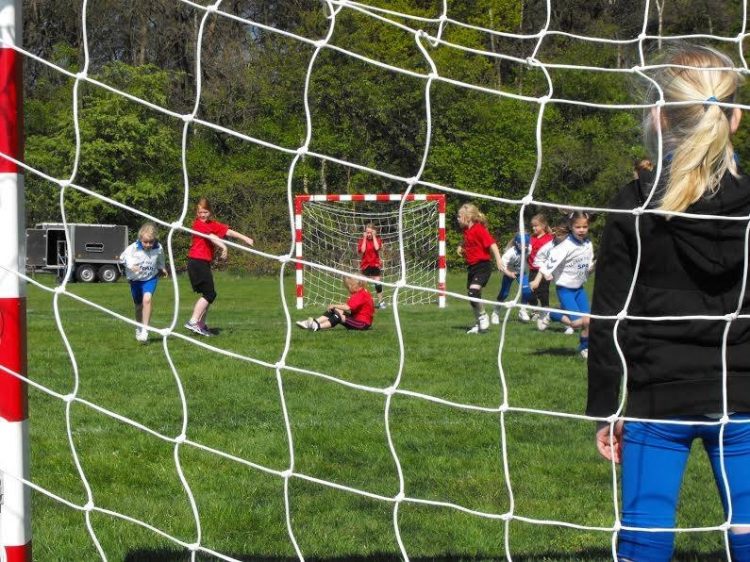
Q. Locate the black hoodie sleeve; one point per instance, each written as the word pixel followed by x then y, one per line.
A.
pixel 614 274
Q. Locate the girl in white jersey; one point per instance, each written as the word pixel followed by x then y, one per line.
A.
pixel 143 261
pixel 569 264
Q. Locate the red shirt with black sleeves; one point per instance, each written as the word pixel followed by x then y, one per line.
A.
pixel 371 256
pixel 362 306
pixel 536 245
pixel 202 248
pixel 477 242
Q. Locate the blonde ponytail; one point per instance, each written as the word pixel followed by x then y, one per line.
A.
pixel 696 136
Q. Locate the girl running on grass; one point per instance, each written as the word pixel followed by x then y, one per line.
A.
pixel 477 246
pixel 512 270
pixel 201 254
pixel 143 261
pixel 569 264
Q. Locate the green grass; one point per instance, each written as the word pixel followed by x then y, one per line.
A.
pixel 447 454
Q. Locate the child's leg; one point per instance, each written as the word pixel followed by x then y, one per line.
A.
pixel 202 281
pixel 378 288
pixel 137 293
pixel 199 310
pixel 505 286
pixel 527 295
pixel 736 461
pixel 654 458
pixel 149 288
pixel 329 319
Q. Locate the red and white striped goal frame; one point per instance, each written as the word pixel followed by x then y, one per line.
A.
pixel 299 204
pixel 15 520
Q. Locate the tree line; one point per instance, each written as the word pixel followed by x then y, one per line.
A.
pixel 252 81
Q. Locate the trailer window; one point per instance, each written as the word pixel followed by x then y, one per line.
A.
pixel 95 248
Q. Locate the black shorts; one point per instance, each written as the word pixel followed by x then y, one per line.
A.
pixel 479 274
pixel 372 271
pixel 201 277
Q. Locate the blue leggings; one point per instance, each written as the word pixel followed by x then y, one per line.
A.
pixel 654 459
pixel 505 286
pixel 572 300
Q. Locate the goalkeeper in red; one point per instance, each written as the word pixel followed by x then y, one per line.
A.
pixel 370 263
pixel 355 314
pixel 682 281
pixel 477 248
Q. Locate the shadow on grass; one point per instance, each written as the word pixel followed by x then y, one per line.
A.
pixel 587 555
pixel 557 351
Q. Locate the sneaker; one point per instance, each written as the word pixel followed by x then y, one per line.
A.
pixel 304 324
pixel 484 322
pixel 584 353
pixel 535 317
pixel 523 316
pixel 141 335
pixel 542 323
pixel 204 327
pixel 475 329
pixel 495 318
pixel 382 305
pixel 195 327
pixel 569 331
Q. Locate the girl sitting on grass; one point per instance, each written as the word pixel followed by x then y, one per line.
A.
pixel 355 314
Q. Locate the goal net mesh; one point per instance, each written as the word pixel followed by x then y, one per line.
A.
pixel 192 440
pixel 332 231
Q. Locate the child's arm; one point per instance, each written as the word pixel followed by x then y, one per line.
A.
pixel 239 236
pixel 460 250
pixel 535 282
pixel 376 243
pixel 498 259
pixel 362 245
pixel 219 243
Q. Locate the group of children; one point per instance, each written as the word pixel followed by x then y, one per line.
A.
pixel 533 260
pixel 563 255
pixel 144 261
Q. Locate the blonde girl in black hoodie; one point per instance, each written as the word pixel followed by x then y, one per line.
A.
pixel 684 348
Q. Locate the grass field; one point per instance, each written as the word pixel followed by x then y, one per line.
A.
pixel 446 454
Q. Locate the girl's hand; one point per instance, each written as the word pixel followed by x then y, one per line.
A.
pixel 534 285
pixel 609 450
pixel 135 268
pixel 249 241
pixel 460 251
pixel 223 254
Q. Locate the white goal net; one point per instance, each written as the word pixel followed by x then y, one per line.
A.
pixel 331 229
pixel 267 442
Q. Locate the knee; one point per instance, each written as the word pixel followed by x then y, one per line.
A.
pixel 475 292
pixel 146 299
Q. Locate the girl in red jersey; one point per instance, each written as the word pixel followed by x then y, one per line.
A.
pixel 355 314
pixel 200 255
pixel 541 235
pixel 477 246
pixel 370 263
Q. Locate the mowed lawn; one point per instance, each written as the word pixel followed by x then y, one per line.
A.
pixel 338 435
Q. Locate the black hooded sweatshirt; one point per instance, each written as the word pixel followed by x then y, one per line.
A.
pixel 689 266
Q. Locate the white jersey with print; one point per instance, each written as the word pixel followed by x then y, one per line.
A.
pixel 570 262
pixel 543 254
pixel 511 260
pixel 147 262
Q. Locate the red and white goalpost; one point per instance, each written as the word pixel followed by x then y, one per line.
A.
pixel 328 228
pixel 15 498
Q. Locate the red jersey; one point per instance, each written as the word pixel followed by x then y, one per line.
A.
pixel 202 248
pixel 371 256
pixel 477 242
pixel 362 306
pixel 536 245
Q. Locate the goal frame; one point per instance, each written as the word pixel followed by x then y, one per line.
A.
pixel 299 206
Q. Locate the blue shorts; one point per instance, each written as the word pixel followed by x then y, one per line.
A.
pixel 654 459
pixel 140 288
pixel 573 300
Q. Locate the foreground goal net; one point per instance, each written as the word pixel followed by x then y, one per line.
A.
pixel 330 229
pixel 414 441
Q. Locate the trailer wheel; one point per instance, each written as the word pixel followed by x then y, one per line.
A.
pixel 85 273
pixel 108 274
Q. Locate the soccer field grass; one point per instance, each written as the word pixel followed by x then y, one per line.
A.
pixel 339 437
